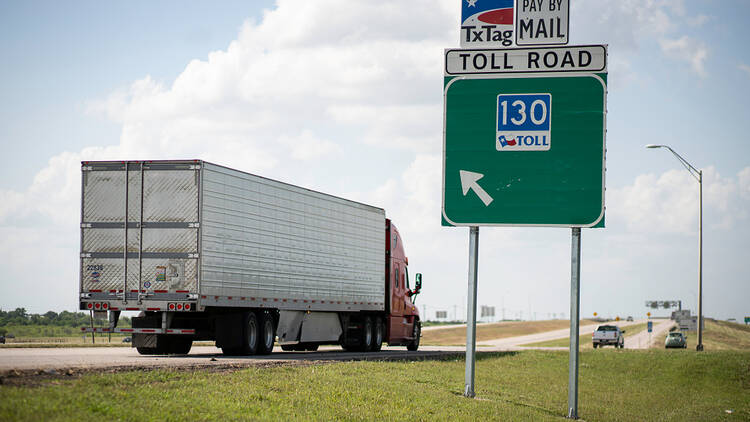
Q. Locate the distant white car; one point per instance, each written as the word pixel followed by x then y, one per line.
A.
pixel 608 335
pixel 630 318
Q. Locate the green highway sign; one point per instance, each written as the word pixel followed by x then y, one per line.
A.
pixel 524 149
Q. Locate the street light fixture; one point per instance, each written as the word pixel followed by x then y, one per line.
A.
pixel 698 175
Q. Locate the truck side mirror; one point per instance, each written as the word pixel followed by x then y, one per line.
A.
pixel 419 281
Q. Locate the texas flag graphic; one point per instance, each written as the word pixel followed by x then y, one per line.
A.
pixel 499 12
pixel 486 23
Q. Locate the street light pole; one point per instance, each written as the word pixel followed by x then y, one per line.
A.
pixel 698 175
pixel 699 347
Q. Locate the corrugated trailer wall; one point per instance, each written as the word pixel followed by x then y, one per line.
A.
pixel 267 243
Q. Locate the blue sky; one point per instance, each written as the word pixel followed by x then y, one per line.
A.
pixel 345 97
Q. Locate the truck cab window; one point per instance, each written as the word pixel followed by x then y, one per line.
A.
pixel 406 271
pixel 396 276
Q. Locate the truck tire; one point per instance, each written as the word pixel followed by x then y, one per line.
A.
pixel 157 346
pixel 595 345
pixel 414 344
pixel 249 332
pixel 179 345
pixel 366 337
pixel 266 333
pixel 377 338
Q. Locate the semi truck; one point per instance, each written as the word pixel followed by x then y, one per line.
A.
pixel 205 252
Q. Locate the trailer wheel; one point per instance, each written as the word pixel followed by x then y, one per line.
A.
pixel 366 336
pixel 377 335
pixel 266 338
pixel 179 345
pixel 157 344
pixel 249 333
pixel 414 344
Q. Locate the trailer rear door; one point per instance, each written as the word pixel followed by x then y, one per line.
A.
pixel 159 201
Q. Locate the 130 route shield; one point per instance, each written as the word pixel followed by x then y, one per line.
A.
pixel 529 181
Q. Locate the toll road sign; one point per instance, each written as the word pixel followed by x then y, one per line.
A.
pixel 576 58
pixel 524 150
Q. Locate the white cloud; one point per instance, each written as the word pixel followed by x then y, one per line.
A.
pixel 745 68
pixel 668 203
pixel 689 50
pixel 698 20
pixel 307 146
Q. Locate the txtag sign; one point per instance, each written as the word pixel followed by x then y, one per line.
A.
pixel 487 23
pixel 523 122
pixel 542 22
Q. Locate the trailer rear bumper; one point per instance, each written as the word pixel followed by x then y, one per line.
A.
pixel 189 331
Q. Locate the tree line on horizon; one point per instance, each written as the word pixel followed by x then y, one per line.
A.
pixel 20 316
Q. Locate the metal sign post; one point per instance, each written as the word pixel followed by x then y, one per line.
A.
pixel 575 302
pixel 471 312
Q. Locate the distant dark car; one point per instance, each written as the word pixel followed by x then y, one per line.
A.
pixel 2 339
pixel 675 339
pixel 630 318
pixel 127 339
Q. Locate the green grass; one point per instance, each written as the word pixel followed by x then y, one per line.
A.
pixel 532 385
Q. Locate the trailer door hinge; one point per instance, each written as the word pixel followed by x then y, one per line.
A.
pixel 85 225
pixel 85 255
pixel 193 255
pixel 194 225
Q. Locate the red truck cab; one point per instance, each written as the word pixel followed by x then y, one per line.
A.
pixel 403 325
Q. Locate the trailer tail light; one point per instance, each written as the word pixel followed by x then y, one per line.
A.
pixel 178 306
pixel 90 305
pixel 97 306
pixel 105 305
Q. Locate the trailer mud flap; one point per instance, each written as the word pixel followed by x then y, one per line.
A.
pixel 146 340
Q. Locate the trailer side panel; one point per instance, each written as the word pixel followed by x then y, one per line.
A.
pixel 267 243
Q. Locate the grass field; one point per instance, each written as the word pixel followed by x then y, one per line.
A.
pixel 584 340
pixel 532 385
pixel 492 331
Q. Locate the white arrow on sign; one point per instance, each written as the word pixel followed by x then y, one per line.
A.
pixel 469 181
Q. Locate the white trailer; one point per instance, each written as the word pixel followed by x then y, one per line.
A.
pixel 218 254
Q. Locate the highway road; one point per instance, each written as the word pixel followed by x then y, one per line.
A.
pixel 103 358
pixel 516 343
